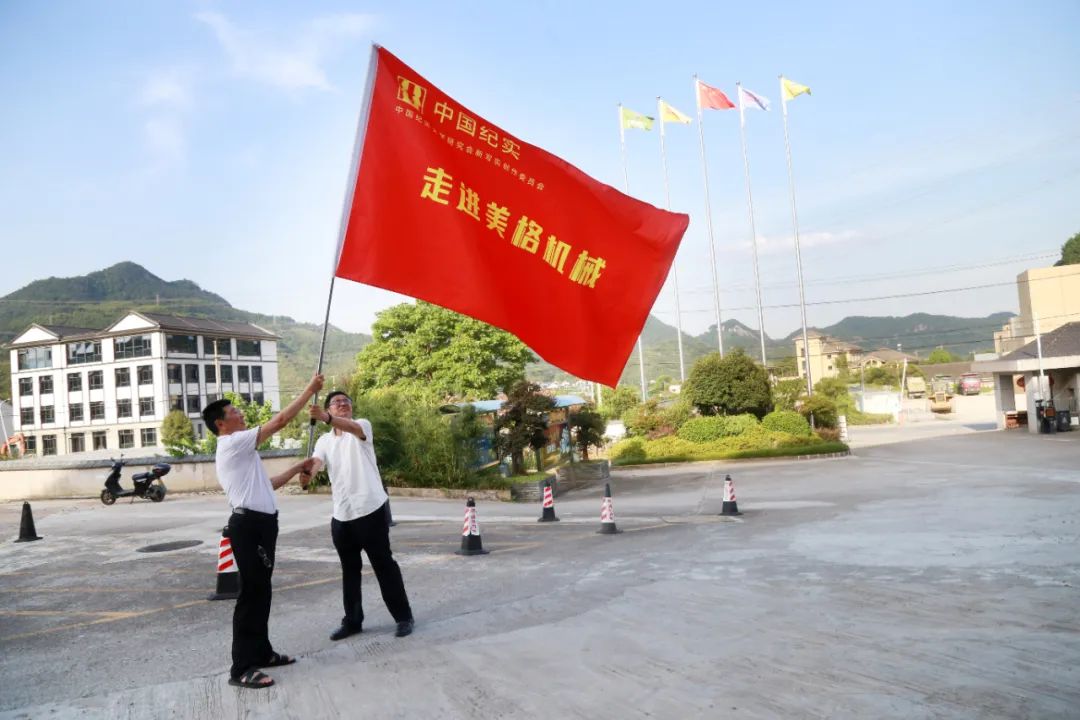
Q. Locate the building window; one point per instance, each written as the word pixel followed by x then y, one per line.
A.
pixel 246 397
pixel 48 414
pixel 242 374
pixel 31 444
pixel 45 384
pixel 210 372
pixel 172 371
pixel 77 442
pixel 48 445
pixel 35 358
pixel 191 374
pixel 226 373
pixel 146 374
pixel 123 377
pixel 183 344
pixel 212 397
pixel 75 412
pixel 256 374
pixel 26 416
pixel 95 379
pixel 126 438
pixel 97 411
pixel 176 402
pixel 99 439
pixel 84 352
pixel 259 398
pixel 74 382
pixel 217 347
pixel 248 348
pixel 123 408
pixel 133 346
pixel 148 437
pixel 193 404
pixel 146 406
pixel 26 386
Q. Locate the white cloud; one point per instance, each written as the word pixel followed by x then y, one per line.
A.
pixel 164 136
pixel 164 99
pixel 167 89
pixel 776 245
pixel 296 65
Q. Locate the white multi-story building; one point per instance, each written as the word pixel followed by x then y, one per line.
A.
pixel 78 389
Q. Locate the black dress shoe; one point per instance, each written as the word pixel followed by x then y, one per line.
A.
pixel 344 631
pixel 405 627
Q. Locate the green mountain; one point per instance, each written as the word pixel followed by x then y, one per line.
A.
pixel 100 298
pixel 919 333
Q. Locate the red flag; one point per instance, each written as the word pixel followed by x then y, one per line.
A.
pixel 712 98
pixel 450 208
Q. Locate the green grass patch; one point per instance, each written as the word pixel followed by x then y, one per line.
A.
pixel 760 443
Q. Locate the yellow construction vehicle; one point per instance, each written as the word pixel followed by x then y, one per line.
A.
pixel 941 397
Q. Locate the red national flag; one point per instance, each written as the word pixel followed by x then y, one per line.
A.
pixel 713 98
pixel 452 209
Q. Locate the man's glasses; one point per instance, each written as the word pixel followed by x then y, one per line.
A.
pixel 340 401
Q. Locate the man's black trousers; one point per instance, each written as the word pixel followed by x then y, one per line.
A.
pixel 254 539
pixel 370 533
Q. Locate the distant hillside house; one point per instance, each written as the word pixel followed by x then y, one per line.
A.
pixel 825 354
pixel 1052 294
pixel 80 389
pixel 885 356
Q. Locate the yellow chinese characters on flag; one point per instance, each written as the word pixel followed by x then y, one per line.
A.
pixel 450 208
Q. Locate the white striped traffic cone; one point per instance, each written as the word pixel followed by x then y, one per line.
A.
pixel 730 507
pixel 228 578
pixel 548 513
pixel 607 514
pixel 471 544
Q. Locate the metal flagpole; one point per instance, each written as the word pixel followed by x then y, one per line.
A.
pixel 708 220
pixel 346 207
pixel 1038 349
pixel 750 210
pixel 626 189
pixel 798 251
pixel 674 273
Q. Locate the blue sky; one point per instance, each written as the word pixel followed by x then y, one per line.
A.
pixel 211 141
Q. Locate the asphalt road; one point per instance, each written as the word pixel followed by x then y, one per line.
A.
pixel 922 578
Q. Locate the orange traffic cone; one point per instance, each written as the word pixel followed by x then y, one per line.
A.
pixel 730 507
pixel 471 544
pixel 228 578
pixel 548 513
pixel 607 514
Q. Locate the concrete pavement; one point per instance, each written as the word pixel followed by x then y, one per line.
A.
pixel 933 577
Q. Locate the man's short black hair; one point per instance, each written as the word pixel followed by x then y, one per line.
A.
pixel 331 396
pixel 213 412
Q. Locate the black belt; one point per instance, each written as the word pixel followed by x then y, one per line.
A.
pixel 246 511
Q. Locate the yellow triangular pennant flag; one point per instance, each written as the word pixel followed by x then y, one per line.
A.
pixel 792 89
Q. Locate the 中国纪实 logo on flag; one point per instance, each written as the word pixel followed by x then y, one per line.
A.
pixel 411 93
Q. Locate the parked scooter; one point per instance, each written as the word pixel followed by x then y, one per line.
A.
pixel 148 484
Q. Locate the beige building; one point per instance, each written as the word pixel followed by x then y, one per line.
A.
pixel 1052 294
pixel 827 355
pixel 885 356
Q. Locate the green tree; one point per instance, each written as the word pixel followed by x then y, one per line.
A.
pixel 522 423
pixel 1070 251
pixel 729 385
pixel 617 401
pixel 660 385
pixel 587 429
pixel 178 434
pixel 785 367
pixel 787 392
pixel 437 354
pixel 940 355
pixel 842 367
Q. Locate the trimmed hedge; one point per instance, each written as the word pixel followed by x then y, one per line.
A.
pixel 757 443
pixel 787 421
pixel 714 427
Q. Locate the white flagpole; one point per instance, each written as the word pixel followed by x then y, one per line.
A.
pixel 750 210
pixel 798 251
pixel 674 273
pixel 346 208
pixel 626 189
pixel 708 219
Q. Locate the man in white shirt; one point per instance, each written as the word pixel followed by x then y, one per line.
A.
pixel 253 528
pixel 360 518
